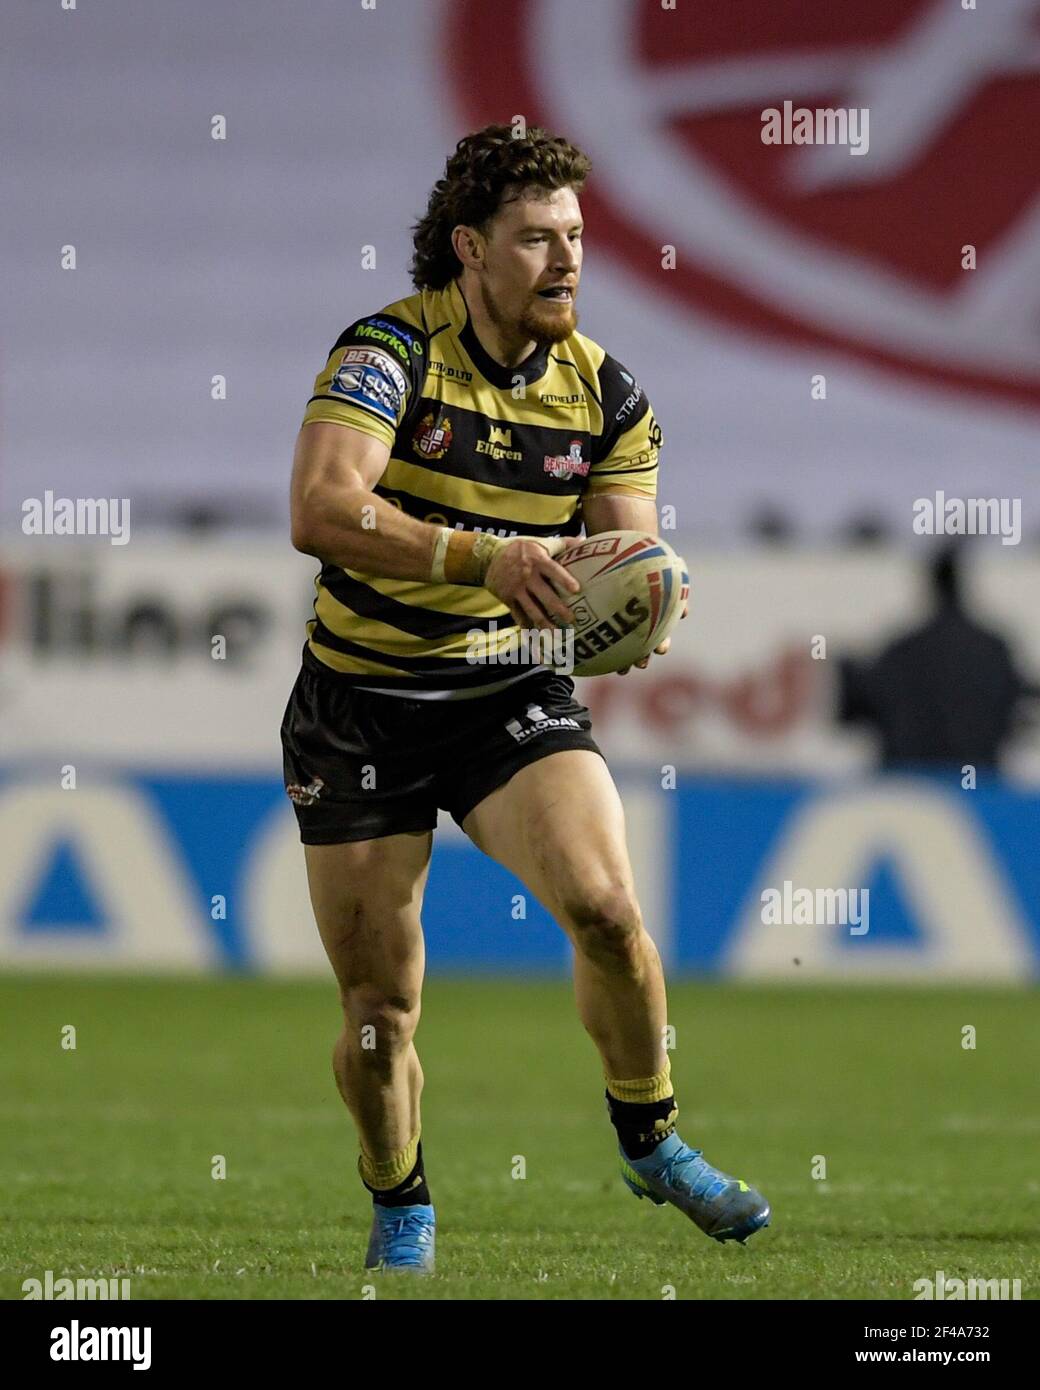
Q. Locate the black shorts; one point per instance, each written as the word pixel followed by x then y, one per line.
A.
pixel 359 765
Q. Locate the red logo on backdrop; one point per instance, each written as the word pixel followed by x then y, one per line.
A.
pixel 813 243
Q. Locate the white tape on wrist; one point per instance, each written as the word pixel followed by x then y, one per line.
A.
pixel 440 551
pixel 485 548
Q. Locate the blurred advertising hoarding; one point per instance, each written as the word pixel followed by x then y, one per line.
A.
pixel 176 849
pixel 176 655
pixel 204 872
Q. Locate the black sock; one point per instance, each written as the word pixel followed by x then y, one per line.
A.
pixel 411 1191
pixel 641 1127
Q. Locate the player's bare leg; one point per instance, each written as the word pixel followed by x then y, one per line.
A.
pixel 558 824
pixel 366 897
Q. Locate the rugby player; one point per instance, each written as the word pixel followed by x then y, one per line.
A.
pixel 455 443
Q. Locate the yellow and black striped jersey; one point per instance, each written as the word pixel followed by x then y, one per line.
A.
pixel 474 445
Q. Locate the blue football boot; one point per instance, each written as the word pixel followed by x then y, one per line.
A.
pixel 723 1207
pixel 402 1238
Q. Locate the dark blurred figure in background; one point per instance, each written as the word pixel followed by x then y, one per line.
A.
pixel 947 693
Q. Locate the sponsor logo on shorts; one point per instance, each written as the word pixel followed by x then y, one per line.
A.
pixel 537 722
pixel 564 466
pixel 305 796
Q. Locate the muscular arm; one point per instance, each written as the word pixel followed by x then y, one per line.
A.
pixel 337 518
pixel 619 510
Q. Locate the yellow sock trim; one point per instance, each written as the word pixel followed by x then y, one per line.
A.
pixel 644 1089
pixel 387 1173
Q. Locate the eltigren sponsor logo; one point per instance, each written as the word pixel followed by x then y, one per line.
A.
pixel 77 516
pixel 953 1289
pixel 50 1288
pixel 539 722
pixel 81 1343
pixel 522 646
pixel 824 907
pixel 820 125
pixel 548 399
pixel 969 516
pixel 450 373
pixel 499 444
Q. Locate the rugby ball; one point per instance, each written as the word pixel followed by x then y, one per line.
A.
pixel 633 591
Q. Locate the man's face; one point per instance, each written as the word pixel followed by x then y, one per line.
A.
pixel 533 265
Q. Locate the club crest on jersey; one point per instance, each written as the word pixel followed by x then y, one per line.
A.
pixel 564 466
pixel 433 437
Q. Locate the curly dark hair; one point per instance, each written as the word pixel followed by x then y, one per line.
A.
pixel 477 175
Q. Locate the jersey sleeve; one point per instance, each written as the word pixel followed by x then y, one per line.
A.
pixel 625 453
pixel 373 373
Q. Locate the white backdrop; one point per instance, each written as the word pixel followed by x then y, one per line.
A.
pixel 243 257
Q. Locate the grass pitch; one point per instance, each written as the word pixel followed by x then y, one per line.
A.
pixel 106 1152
